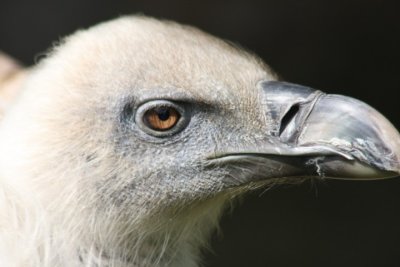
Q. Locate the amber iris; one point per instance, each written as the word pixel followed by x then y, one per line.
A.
pixel 161 118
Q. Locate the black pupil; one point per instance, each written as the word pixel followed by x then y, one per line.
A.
pixel 163 113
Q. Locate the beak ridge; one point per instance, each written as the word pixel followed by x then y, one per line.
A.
pixel 367 144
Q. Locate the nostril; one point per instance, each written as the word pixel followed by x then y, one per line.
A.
pixel 289 116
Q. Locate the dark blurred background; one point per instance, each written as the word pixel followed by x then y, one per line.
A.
pixel 346 47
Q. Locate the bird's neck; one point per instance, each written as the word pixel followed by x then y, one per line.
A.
pixel 161 241
pixel 157 250
pixel 165 240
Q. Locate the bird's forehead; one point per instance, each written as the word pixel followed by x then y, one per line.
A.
pixel 147 56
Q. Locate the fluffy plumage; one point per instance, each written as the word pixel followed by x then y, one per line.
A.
pixel 77 188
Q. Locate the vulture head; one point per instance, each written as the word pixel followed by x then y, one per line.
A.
pixel 125 144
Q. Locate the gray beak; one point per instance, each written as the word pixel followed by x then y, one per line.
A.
pixel 314 134
pixel 349 138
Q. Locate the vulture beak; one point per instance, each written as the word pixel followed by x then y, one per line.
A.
pixel 315 134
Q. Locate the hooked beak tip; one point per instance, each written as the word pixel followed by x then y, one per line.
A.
pixel 308 119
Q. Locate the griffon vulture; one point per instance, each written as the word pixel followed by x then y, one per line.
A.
pixel 123 146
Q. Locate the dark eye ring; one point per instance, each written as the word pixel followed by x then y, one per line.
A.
pixel 161 118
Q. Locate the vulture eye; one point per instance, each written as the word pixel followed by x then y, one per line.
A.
pixel 161 118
